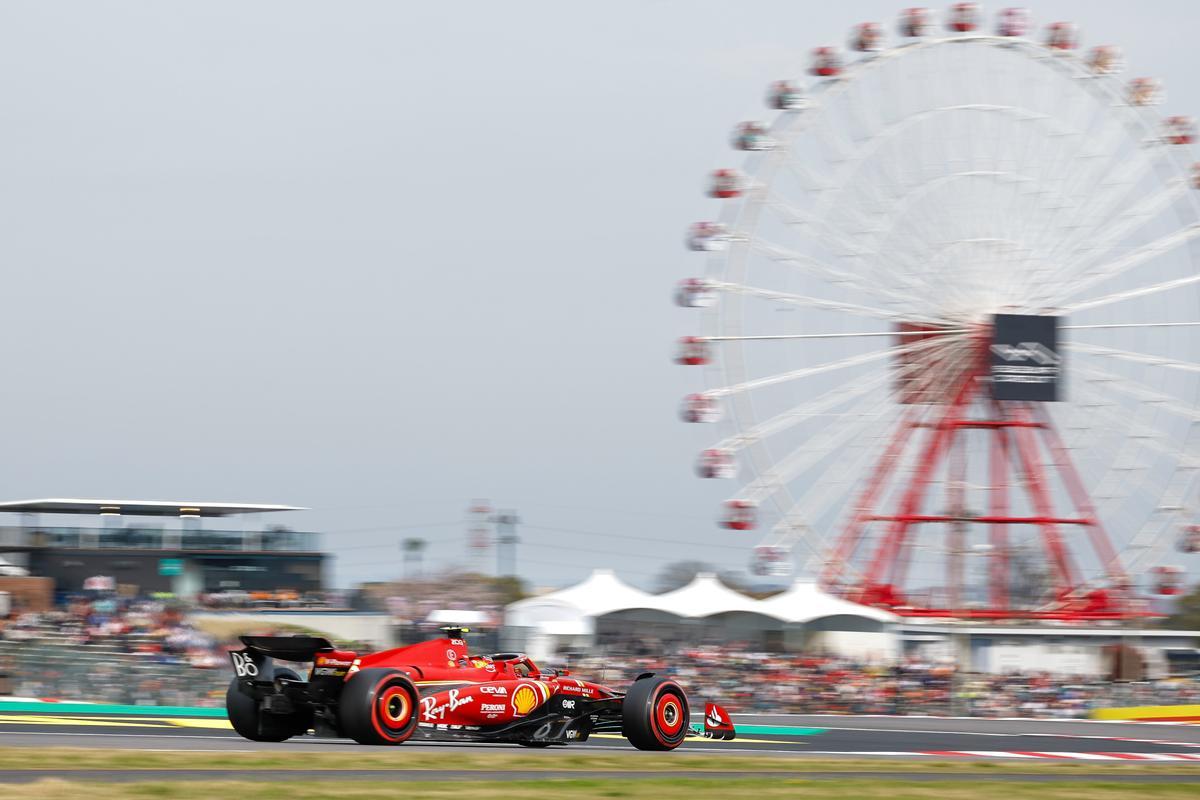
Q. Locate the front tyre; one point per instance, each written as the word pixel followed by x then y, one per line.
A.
pixel 378 706
pixel 654 714
pixel 252 723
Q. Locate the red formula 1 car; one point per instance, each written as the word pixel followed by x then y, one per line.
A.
pixel 435 690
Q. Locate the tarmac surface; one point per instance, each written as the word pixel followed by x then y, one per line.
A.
pixel 824 736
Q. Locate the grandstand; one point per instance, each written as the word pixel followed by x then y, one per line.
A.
pixel 155 546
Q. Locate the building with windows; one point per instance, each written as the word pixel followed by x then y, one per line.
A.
pixel 157 546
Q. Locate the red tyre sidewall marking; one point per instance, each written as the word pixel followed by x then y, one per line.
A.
pixel 377 709
pixel 666 702
pixel 667 694
pixel 385 703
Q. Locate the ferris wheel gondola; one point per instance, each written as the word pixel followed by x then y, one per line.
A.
pixel 950 221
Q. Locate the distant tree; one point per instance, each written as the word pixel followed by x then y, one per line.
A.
pixel 1187 612
pixel 679 573
pixel 1030 578
pixel 510 588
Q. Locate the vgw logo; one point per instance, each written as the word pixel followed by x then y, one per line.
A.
pixel 1027 351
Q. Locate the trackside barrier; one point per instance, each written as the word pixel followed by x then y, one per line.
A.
pixel 55 707
pixel 1149 714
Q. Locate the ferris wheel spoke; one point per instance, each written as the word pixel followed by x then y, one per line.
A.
pixel 1138 391
pixel 835 239
pixel 1135 325
pixel 834 398
pixel 1130 294
pixel 1138 358
pixel 1130 220
pixel 1116 484
pixel 781 254
pixel 1135 435
pixel 790 298
pixel 857 335
pixel 814 451
pixel 1077 282
pixel 797 374
pixel 1105 200
pixel 822 499
pixel 1094 162
pixel 1063 163
pixel 797 414
pixel 1173 510
pixel 1130 472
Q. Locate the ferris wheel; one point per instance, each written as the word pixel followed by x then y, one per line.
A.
pixel 948 325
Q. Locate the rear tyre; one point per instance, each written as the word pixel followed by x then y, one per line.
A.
pixel 654 714
pixel 378 706
pixel 252 723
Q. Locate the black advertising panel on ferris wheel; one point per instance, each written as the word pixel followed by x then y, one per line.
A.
pixel 1025 360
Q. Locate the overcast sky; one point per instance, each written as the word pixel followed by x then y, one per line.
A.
pixel 381 258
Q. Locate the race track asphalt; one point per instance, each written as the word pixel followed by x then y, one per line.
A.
pixel 822 735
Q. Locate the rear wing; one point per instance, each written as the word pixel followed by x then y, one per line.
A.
pixel 287 648
pixel 253 664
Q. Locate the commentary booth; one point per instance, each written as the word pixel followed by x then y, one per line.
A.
pixel 604 609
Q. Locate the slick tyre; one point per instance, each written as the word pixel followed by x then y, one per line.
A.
pixel 254 724
pixel 378 706
pixel 654 714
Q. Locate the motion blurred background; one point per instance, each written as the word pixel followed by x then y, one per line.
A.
pixel 378 260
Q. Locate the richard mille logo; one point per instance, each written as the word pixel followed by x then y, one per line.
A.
pixel 1027 351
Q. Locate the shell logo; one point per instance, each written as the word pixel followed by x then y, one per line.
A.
pixel 524 700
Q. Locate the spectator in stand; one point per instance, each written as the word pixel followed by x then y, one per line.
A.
pixel 110 649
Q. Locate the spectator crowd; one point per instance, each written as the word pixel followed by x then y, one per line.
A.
pixel 112 650
pixel 746 681
pixel 140 651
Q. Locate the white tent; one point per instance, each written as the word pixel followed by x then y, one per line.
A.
pixel 803 614
pixel 804 601
pixel 575 608
pixel 705 596
pixel 833 625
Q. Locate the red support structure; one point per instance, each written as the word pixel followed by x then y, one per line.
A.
pixel 998 567
pixel 956 497
pixel 1083 503
pixel 890 555
pixel 1039 493
pixel 848 541
pixel 1013 430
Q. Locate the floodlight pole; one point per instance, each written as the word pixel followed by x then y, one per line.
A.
pixel 506 542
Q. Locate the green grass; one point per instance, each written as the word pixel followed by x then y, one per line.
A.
pixel 658 788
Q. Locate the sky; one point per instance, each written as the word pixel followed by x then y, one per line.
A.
pixel 380 258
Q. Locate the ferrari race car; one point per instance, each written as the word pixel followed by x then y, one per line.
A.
pixel 435 690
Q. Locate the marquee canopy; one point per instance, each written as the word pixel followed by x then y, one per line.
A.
pixel 604 593
pixel 601 593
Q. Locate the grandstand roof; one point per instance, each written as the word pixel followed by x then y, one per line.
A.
pixel 137 508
